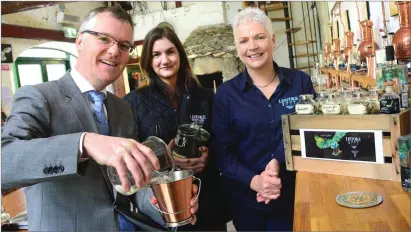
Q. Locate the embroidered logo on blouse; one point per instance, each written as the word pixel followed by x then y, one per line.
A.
pixel 288 102
pixel 199 119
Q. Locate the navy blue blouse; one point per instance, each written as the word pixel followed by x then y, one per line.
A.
pixel 247 129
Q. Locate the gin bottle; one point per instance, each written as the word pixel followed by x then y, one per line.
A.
pixel 389 102
pixel 404 149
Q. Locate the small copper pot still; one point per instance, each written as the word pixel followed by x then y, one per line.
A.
pixel 365 47
pixel 401 40
pixel 349 41
pixel 336 48
pixel 327 54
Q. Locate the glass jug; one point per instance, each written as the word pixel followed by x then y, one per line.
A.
pixel 164 156
pixel 188 140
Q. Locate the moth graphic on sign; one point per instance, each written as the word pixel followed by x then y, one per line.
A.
pixel 355 146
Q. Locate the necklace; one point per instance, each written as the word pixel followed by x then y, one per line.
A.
pixel 263 86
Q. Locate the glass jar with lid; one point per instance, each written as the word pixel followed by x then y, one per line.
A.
pixel 306 104
pixel 331 105
pixel 345 98
pixel 358 104
pixel 321 98
pixel 375 104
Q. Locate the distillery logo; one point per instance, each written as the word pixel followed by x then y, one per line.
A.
pixel 353 141
pixel 198 118
pixel 289 103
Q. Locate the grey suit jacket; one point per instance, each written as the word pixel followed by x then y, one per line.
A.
pixel 40 149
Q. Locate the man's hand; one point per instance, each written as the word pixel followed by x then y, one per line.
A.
pixel 195 164
pixel 122 154
pixel 193 203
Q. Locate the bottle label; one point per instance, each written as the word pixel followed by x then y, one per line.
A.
pixel 357 109
pixel 406 178
pixel 390 106
pixel 331 109
pixel 404 100
pixel 304 109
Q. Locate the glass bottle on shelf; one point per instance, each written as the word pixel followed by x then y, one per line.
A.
pixel 331 105
pixel 306 104
pixel 389 102
pixel 358 104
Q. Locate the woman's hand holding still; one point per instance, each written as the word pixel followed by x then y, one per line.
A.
pixel 195 164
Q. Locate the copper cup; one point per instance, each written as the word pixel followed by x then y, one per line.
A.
pixel 174 194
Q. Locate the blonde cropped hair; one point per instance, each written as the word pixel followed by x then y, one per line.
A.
pixel 254 15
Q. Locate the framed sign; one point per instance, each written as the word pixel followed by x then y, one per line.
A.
pixel 6 55
pixel 341 145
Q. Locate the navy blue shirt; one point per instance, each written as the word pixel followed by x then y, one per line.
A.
pixel 247 131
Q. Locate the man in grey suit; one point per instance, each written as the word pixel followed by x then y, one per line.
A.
pixel 61 136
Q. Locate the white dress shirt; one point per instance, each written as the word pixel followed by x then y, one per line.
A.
pixel 84 87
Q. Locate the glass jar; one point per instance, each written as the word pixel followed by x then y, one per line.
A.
pixel 375 104
pixel 345 98
pixel 390 102
pixel 321 98
pixel 305 105
pixel 331 105
pixel 164 157
pixel 358 105
pixel 189 138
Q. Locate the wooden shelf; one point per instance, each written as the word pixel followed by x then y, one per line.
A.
pixel 273 7
pixel 302 42
pixel 305 55
pixel 280 19
pixel 305 67
pixel 292 30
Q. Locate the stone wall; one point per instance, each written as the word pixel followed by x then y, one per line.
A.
pixel 211 49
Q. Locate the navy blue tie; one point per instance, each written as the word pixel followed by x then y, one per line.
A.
pixel 98 99
pixel 102 124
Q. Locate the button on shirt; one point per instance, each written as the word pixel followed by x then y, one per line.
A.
pixel 247 127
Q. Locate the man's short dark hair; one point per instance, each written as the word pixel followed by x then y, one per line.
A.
pixel 114 11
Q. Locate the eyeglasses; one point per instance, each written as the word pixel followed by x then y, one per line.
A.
pixel 109 41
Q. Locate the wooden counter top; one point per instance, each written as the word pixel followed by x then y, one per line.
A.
pixel 316 208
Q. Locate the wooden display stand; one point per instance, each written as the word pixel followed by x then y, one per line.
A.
pixel 392 127
pixel 337 78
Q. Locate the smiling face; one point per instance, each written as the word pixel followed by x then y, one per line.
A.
pixel 254 44
pixel 166 59
pixel 99 63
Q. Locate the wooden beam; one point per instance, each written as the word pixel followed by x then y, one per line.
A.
pixel 14 31
pixel 14 7
pixel 178 4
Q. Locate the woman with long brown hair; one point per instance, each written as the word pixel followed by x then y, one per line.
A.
pixel 174 97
